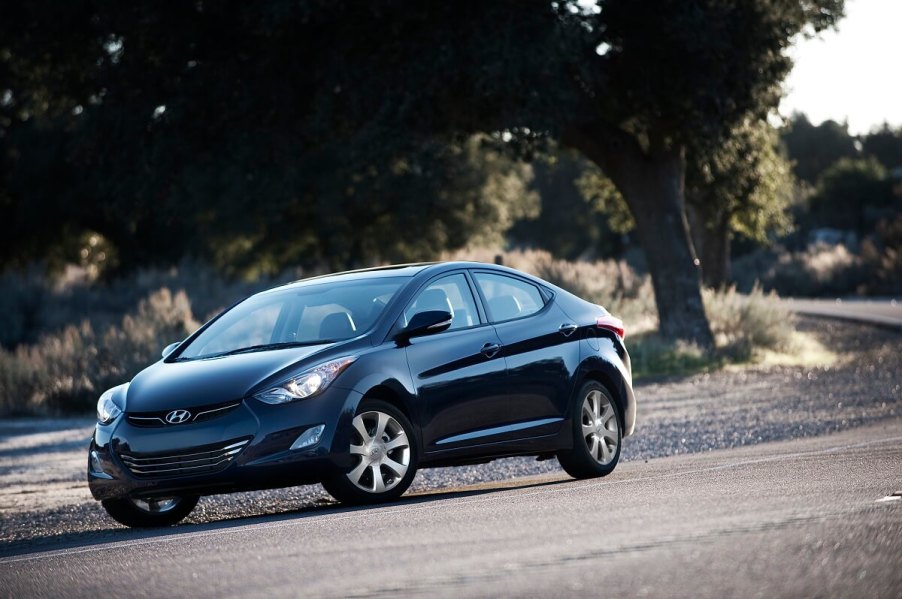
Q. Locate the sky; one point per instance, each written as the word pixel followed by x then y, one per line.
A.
pixel 852 74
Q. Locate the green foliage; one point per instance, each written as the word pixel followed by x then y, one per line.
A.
pixel 814 148
pixel 653 355
pixel 885 145
pixel 575 219
pixel 601 193
pixel 853 194
pixel 231 133
pixel 256 135
pixel 693 70
pixel 745 178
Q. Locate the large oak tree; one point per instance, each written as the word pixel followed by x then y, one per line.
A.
pixel 282 92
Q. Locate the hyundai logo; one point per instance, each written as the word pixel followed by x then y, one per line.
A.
pixel 178 416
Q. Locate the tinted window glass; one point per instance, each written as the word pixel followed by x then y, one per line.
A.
pixel 306 315
pixel 451 293
pixel 508 298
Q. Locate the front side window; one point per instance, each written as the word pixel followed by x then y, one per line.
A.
pixel 508 298
pixel 451 294
pixel 322 312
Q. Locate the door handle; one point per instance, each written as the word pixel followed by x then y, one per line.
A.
pixel 490 350
pixel 567 329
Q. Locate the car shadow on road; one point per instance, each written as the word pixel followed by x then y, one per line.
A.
pixel 98 537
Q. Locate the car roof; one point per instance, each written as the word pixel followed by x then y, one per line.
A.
pixel 397 270
pixel 400 270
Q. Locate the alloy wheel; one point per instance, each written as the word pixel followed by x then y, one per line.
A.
pixel 156 505
pixel 600 427
pixel 382 448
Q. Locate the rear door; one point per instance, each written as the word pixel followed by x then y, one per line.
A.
pixel 540 348
pixel 459 373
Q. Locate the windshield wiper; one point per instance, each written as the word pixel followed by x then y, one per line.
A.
pixel 282 345
pixel 261 347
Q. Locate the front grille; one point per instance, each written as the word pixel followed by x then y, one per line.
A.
pixel 196 460
pixel 198 414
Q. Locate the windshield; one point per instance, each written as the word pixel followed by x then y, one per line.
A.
pixel 308 315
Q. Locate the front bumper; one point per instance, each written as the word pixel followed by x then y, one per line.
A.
pixel 248 448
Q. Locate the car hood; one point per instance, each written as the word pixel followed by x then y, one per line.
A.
pixel 171 385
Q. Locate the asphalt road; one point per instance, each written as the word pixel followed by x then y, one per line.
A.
pixel 887 312
pixel 785 519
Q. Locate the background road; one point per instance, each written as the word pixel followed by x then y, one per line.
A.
pixel 887 312
pixel 791 518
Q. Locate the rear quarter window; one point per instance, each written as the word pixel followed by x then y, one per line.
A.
pixel 509 298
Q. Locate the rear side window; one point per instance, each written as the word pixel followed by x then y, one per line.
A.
pixel 508 298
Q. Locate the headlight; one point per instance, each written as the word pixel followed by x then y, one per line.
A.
pixel 308 383
pixel 109 406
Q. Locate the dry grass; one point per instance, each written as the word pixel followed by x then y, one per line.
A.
pixel 67 370
pixel 75 339
pixel 823 270
pixel 610 283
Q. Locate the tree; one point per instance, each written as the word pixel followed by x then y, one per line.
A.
pixel 577 217
pixel 814 148
pixel 288 90
pixel 884 144
pixel 629 84
pixel 852 195
pixel 739 184
pixel 663 80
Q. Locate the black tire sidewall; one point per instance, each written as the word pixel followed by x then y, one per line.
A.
pixel 125 512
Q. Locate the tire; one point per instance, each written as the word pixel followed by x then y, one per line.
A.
pixel 597 434
pixel 143 513
pixel 385 463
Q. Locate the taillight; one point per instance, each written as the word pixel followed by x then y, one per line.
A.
pixel 611 323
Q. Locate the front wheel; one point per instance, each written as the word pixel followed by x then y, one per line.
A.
pixel 596 434
pixel 385 455
pixel 150 511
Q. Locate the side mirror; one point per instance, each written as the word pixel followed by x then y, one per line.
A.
pixel 426 323
pixel 170 348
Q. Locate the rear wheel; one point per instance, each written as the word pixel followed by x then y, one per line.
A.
pixel 596 433
pixel 150 511
pixel 385 456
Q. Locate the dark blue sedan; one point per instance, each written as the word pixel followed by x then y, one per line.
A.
pixel 356 380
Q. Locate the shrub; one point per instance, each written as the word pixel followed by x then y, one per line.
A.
pixel 743 327
pixel 67 370
pixel 884 258
pixel 613 284
pixel 742 324
pixel 819 270
pixel 88 338
pixel 653 356
pixel 33 305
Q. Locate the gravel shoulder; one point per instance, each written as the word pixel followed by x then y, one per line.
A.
pixel 44 500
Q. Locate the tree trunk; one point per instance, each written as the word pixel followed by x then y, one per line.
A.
pixel 651 182
pixel 711 237
pixel 656 200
